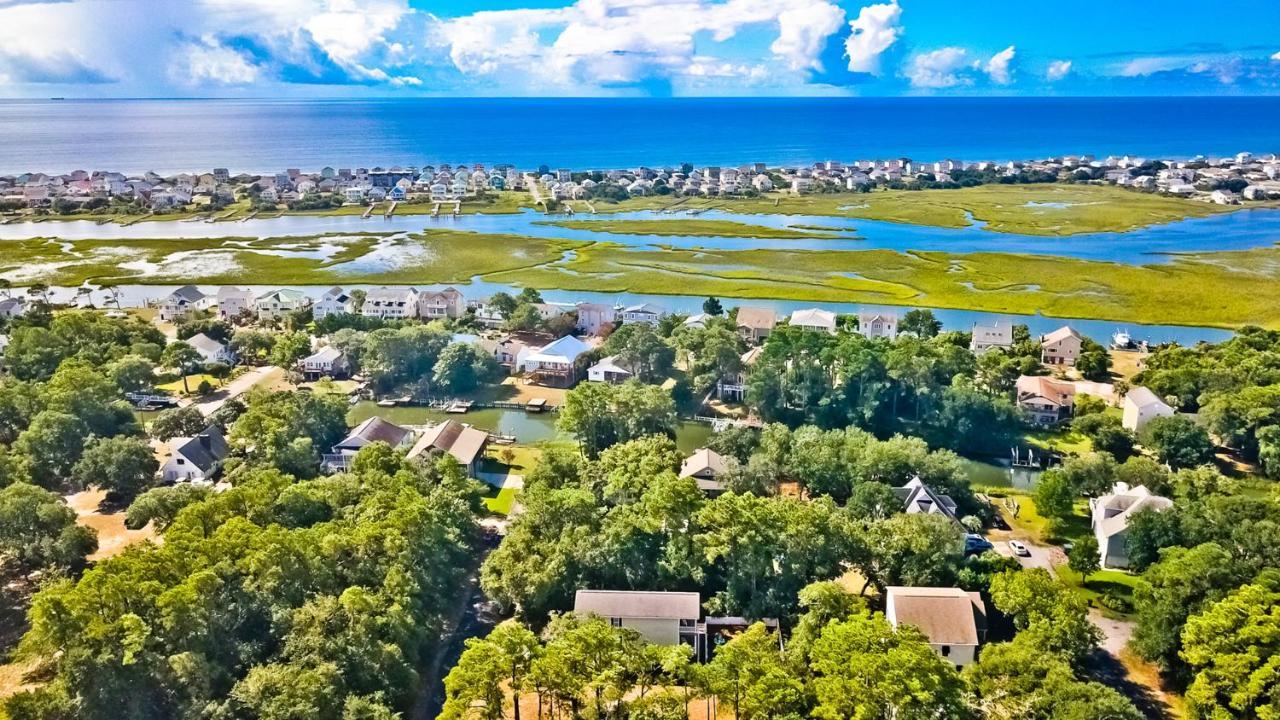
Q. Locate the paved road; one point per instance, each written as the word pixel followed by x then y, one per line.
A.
pixel 238 387
pixel 1040 555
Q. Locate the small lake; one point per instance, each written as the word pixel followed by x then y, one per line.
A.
pixel 999 474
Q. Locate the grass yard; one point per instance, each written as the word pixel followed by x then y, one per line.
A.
pixel 1104 582
pixel 193 382
pixel 694 228
pixel 1064 441
pixel 500 501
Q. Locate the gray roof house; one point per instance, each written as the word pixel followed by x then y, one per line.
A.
pixel 705 466
pixel 920 498
pixel 1111 515
pixel 663 618
pixel 195 459
pixel 953 621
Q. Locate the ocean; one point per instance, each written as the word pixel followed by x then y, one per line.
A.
pixel 270 135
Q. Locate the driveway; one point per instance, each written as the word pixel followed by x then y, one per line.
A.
pixel 234 389
pixel 1040 554
pixel 504 481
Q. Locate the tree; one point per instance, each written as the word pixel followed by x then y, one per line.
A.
pixel 749 672
pixel 252 346
pixel 1178 441
pixel 915 549
pixel 186 421
pixel 601 415
pixel 1084 558
pixel 712 306
pixel 921 323
pixel 1055 495
pixel 524 317
pixel 161 505
pixel 1233 648
pixel 1269 450
pixel 123 466
pixel 183 358
pixel 132 373
pixel 1018 680
pixel 1050 616
pixel 640 348
pixel 38 530
pixel 503 303
pixel 289 348
pixel 52 444
pixel 463 366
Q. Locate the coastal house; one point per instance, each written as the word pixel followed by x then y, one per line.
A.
pixel 953 621
pixel 375 429
pixel 734 388
pixel 609 370
pixel 756 323
pixel 1110 516
pixel 698 321
pixel 210 350
pixel 918 498
pixel 334 301
pixel 643 313
pixel 815 320
pixel 446 303
pixel 874 325
pixel 594 317
pixel 12 307
pixel 706 467
pixel 1061 347
pixel 279 303
pixel 464 443
pixel 555 363
pixel 1044 400
pixel 233 302
pixel 662 618
pixel 391 303
pixel 195 459
pixel 1140 407
pixel 327 362
pixel 180 303
pixel 986 337
pixel 1224 197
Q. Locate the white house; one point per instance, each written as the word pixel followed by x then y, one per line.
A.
pixel 953 621
pixel 1224 197
pixel 179 303
pixel 986 337
pixel 391 303
pixel 878 325
pixel 12 307
pixel 1111 515
pixel 278 303
pixel 698 321
pixel 918 498
pixel 706 467
pixel 233 302
pixel 1061 347
pixel 211 351
pixel 195 459
pixel 1141 406
pixel 608 370
pixel 815 319
pixel 446 303
pixel 553 363
pixel 643 313
pixel 594 317
pixel 327 362
pixel 662 618
pixel 334 301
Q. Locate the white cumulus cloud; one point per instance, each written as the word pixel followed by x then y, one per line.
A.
pixel 803 31
pixel 1057 70
pixel 941 68
pixel 875 30
pixel 209 62
pixel 998 67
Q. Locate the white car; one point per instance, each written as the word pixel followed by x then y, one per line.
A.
pixel 1019 549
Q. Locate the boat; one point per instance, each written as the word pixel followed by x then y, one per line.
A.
pixel 1121 340
pixel 387 402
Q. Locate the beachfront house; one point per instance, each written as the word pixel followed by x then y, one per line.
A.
pixel 986 337
pixel 233 302
pixel 555 363
pixel 874 325
pixel 391 303
pixel 180 303
pixel 1140 407
pixel 815 320
pixel 210 350
pixel 1110 515
pixel 609 370
pixel 755 323
pixel 953 621
pixel 195 459
pixel 1061 347
pixel 327 362
pixel 334 301
pixel 594 317
pixel 706 467
pixel 464 443
pixel 375 429
pixel 276 304
pixel 643 313
pixel 662 618
pixel 446 303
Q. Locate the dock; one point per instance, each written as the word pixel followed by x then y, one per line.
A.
pixel 391 210
pixel 367 212
pixel 459 407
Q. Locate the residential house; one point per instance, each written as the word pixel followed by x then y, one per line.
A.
pixel 375 429
pixel 698 321
pixel 1224 197
pixel 1110 517
pixel 1044 400
pixel 643 313
pixel 706 467
pixel 391 303
pixel 233 302
pixel 918 498
pixel 465 443
pixel 1061 347
pixel 756 323
pixel 446 303
pixel 986 337
pixel 279 303
pixel 594 317
pixel 210 350
pixel 195 459
pixel 609 370
pixel 12 307
pixel 878 325
pixel 734 388
pixel 953 621
pixel 334 301
pixel 1141 406
pixel 179 303
pixel 327 362
pixel 555 363
pixel 662 618
pixel 815 320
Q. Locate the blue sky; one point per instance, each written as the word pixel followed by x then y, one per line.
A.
pixel 363 48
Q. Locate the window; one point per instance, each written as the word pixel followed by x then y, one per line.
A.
pixel 615 622
pixel 946 650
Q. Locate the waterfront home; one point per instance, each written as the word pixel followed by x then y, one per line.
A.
pixel 986 337
pixel 233 302
pixel 594 317
pixel 179 303
pixel 815 320
pixel 375 429
pixel 609 370
pixel 1110 516
pixel 1140 407
pixel 755 323
pixel 446 303
pixel 210 350
pixel 706 467
pixel 1045 401
pixel 279 303
pixel 464 443
pixel 953 621
pixel 334 301
pixel 195 459
pixel 918 498
pixel 1224 197
pixel 874 325
pixel 1061 347
pixel 391 303
pixel 327 362
pixel 661 618
pixel 734 387
pixel 698 321
pixel 643 313
pixel 12 307
pixel 555 363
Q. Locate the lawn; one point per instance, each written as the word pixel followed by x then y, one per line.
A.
pixel 1104 582
pixel 193 382
pixel 1018 509
pixel 499 501
pixel 694 228
pixel 1063 441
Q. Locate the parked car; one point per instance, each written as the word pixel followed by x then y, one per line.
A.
pixel 975 544
pixel 1019 549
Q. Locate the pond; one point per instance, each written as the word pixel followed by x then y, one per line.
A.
pixel 999 473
